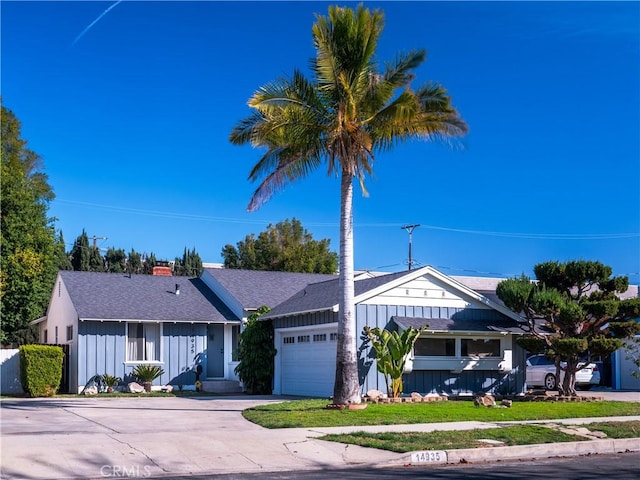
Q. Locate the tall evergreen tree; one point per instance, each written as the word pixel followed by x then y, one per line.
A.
pixel 62 260
pixel 190 265
pixel 134 262
pixel 27 236
pixel 80 253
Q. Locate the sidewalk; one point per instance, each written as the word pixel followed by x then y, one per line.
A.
pixel 142 437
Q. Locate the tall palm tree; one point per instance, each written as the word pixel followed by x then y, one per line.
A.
pixel 345 113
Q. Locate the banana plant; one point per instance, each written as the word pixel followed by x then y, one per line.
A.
pixel 392 351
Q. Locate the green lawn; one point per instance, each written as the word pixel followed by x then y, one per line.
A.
pixel 312 413
pixel 450 440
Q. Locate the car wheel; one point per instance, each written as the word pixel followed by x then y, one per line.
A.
pixel 550 382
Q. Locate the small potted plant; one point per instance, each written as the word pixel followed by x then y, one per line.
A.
pixel 146 374
pixel 111 382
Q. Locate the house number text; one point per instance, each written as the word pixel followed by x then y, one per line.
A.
pixel 429 456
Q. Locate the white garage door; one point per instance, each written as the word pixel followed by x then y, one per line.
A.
pixel 308 361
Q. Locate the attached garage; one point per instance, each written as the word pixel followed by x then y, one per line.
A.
pixel 306 360
pixel 627 371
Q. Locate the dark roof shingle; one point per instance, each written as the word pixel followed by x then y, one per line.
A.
pixel 255 288
pixel 117 296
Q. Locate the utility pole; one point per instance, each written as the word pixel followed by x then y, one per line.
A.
pixel 95 240
pixel 409 229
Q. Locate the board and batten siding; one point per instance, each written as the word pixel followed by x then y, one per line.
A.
pixel 422 381
pixel 101 348
pixel 182 350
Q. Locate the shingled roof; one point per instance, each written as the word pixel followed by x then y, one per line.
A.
pixel 255 288
pixel 463 325
pixel 117 296
pixel 325 295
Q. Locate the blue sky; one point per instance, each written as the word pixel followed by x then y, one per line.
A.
pixel 132 114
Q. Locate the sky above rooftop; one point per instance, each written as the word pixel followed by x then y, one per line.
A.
pixel 130 105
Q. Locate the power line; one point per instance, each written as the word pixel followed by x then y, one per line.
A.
pixel 186 216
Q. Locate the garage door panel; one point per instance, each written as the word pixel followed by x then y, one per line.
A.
pixel 308 361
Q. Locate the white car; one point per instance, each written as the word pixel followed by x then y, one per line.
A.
pixel 541 372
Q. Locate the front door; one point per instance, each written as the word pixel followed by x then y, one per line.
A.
pixel 215 350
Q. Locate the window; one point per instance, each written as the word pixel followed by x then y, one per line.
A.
pixel 480 348
pixel 143 342
pixel 304 338
pixel 45 336
pixel 320 337
pixel 289 340
pixel 69 333
pixel 435 347
pixel 333 337
pixel 235 343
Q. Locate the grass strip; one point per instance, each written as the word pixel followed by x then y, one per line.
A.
pixel 459 439
pixel 312 413
pixel 453 440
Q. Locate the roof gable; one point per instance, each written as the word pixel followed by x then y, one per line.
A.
pixel 117 296
pixel 255 288
pixel 324 296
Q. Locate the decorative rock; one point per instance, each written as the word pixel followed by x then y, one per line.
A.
pixel 135 388
pixel 506 403
pixel 484 400
pixel 375 395
pixel 92 390
pixel 416 397
pixel 168 388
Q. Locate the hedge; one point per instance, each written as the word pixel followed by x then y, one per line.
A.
pixel 40 369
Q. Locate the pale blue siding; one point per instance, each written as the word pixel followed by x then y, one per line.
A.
pixel 101 348
pixel 183 349
pixel 422 381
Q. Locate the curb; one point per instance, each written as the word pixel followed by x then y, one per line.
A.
pixel 531 452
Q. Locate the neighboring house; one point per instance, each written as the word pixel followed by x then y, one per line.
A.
pixel 113 322
pixel 468 347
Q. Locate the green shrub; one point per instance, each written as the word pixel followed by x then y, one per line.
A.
pixel 40 369
pixel 256 353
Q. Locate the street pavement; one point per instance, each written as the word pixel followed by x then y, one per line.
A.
pixel 142 437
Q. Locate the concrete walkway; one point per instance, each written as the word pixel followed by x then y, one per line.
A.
pixel 142 437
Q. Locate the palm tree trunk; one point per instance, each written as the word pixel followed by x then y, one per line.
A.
pixel 346 388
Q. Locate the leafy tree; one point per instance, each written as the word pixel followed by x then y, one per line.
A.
pixel 190 265
pixel 27 236
pixel 285 247
pixel 342 116
pixel 115 260
pixel 571 313
pixel 392 351
pixel 256 353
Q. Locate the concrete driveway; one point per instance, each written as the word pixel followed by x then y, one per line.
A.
pixel 142 437
pixel 155 436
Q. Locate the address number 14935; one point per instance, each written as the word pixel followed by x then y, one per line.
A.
pixel 429 456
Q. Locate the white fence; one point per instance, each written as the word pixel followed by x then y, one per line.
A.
pixel 10 371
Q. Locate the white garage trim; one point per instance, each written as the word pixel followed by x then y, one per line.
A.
pixel 282 378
